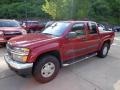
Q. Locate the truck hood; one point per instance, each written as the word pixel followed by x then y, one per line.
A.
pixel 31 40
pixel 10 28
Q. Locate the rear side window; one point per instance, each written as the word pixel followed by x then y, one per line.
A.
pixel 92 28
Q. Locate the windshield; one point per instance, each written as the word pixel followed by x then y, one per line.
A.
pixel 9 24
pixel 56 29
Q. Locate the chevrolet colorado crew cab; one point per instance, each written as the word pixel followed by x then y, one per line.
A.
pixel 61 44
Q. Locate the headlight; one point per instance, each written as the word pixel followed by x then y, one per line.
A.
pixel 1 33
pixel 21 51
pixel 20 54
pixel 20 58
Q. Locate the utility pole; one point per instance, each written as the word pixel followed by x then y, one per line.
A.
pixel 72 8
pixel 26 12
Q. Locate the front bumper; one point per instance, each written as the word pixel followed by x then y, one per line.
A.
pixel 19 68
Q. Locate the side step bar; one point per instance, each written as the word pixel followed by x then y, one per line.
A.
pixel 73 61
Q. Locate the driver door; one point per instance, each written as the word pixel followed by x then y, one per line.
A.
pixel 74 47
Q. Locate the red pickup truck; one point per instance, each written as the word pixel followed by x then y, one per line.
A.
pixel 9 29
pixel 61 44
pixel 32 26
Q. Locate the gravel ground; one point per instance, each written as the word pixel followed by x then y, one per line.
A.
pixel 91 74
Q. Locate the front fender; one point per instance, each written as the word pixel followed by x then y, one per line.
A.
pixel 41 50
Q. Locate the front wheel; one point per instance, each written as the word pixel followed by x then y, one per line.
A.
pixel 2 45
pixel 46 69
pixel 104 50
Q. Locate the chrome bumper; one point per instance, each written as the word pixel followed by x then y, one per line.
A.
pixel 17 65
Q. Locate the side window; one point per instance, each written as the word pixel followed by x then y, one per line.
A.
pixel 92 28
pixel 79 29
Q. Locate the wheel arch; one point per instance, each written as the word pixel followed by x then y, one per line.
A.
pixel 53 53
pixel 107 41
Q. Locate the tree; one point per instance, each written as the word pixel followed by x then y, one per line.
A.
pixel 105 10
pixel 50 8
pixel 115 11
pixel 20 9
pixel 99 9
pixel 57 9
pixel 66 9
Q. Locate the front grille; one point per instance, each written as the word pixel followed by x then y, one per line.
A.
pixel 9 48
pixel 9 53
pixel 12 33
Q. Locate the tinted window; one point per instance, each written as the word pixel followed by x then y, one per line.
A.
pixel 92 28
pixel 9 24
pixel 79 29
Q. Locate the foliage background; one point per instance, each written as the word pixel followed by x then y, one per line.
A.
pixel 97 10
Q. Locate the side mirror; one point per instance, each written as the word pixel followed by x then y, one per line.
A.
pixel 71 35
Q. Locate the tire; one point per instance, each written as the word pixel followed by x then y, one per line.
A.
pixel 30 31
pixel 104 50
pixel 2 45
pixel 46 69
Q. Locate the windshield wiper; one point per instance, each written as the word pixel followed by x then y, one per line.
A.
pixel 54 25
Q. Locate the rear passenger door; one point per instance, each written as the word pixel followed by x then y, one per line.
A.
pixel 93 37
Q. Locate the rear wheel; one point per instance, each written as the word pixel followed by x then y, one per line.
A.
pixel 104 50
pixel 46 69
